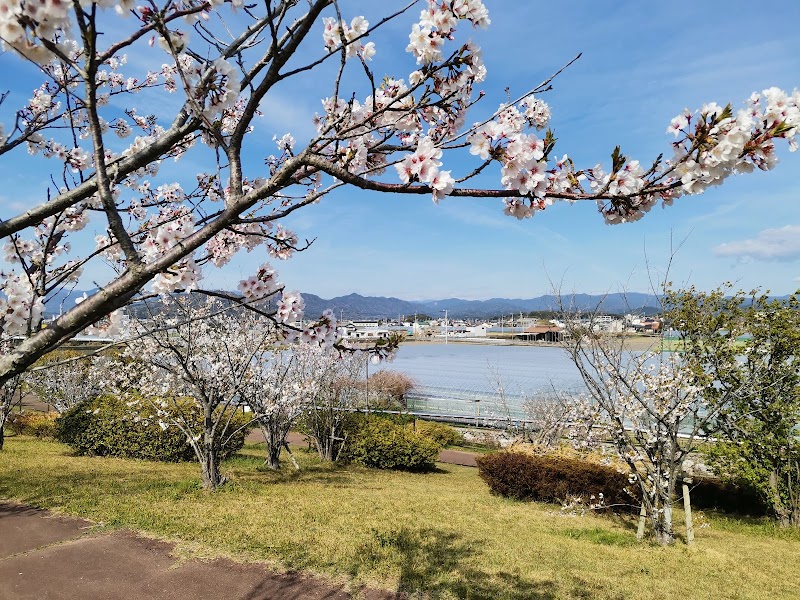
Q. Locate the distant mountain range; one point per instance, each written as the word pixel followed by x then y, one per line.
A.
pixel 355 306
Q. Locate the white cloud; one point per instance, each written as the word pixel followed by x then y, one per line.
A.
pixel 779 244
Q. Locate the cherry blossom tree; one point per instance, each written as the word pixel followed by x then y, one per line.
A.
pixel 278 392
pixel 63 380
pixel 648 406
pixel 108 130
pixel 194 368
pixel 337 379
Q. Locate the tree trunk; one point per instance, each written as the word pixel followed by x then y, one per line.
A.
pixel 4 412
pixel 780 511
pixel 212 479
pixel 209 461
pixel 661 519
pixel 274 442
pixel 273 456
pixel 291 455
pixel 642 522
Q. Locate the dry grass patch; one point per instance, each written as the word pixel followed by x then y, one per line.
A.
pixel 440 533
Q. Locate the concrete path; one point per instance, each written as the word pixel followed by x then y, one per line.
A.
pixel 52 557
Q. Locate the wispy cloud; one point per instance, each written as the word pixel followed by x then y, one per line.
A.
pixel 778 244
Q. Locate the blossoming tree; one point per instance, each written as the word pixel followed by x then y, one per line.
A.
pixel 195 368
pixel 278 392
pixel 646 406
pixel 108 130
pixel 62 380
pixel 338 389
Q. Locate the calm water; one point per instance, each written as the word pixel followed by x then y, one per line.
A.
pixel 460 378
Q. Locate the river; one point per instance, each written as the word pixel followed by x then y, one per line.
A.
pixel 463 378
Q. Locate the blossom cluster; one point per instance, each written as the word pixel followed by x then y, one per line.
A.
pixel 290 307
pixel 173 224
pixel 21 310
pixel 395 107
pixel 436 24
pixel 423 165
pixel 338 34
pixel 261 285
pixel 324 332
pixel 739 143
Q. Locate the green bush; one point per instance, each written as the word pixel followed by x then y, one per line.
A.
pixel 442 434
pixel 38 424
pixel 554 478
pixel 106 426
pixel 376 442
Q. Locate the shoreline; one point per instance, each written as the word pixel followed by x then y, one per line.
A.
pixel 632 342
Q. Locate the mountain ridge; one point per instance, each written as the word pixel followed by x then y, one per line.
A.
pixel 355 306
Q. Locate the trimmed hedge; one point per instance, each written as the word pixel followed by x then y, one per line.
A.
pixel 374 441
pixel 544 478
pixel 37 424
pixel 105 426
pixel 442 434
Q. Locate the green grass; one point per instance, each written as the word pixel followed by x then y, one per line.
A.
pixel 441 533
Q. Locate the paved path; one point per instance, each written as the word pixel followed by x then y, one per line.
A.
pixel 60 558
pixel 453 457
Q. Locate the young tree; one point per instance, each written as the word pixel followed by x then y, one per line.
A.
pixel 646 405
pixel 390 389
pixel 337 382
pixel 392 134
pixel 752 342
pixel 62 379
pixel 193 367
pixel 278 392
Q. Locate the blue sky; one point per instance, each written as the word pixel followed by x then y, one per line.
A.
pixel 642 63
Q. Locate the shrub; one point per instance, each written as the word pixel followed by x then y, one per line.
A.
pixel 545 478
pixel 376 442
pixel 392 386
pixel 105 426
pixel 442 434
pixel 38 424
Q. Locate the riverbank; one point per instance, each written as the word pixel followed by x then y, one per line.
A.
pixel 632 342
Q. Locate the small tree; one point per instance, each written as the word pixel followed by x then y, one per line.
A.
pixel 278 392
pixel 548 416
pixel 391 388
pixel 62 379
pixel 646 406
pixel 748 341
pixel 201 360
pixel 335 378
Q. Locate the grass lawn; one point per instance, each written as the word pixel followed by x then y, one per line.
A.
pixel 440 533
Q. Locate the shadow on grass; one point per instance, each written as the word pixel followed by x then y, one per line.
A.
pixel 437 563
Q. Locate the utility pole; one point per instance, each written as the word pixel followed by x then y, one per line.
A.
pixel 445 325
